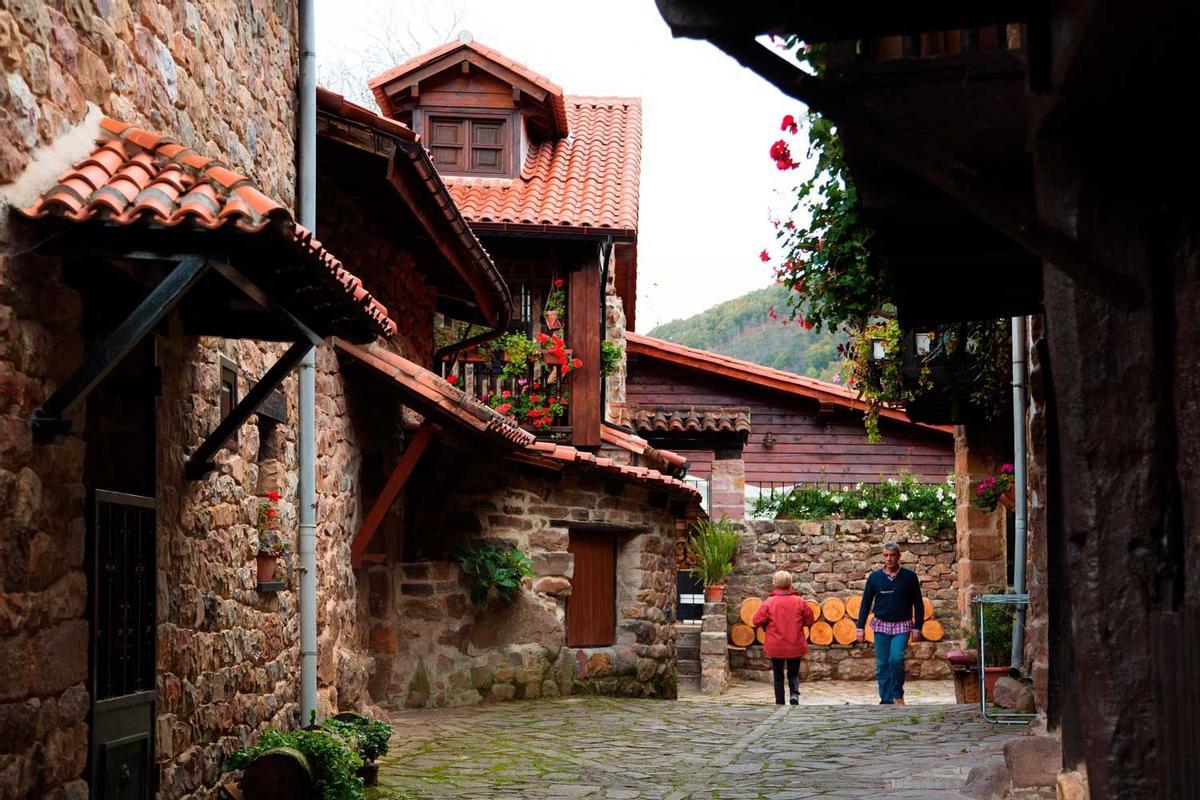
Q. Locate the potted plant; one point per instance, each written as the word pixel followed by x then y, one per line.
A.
pixel 271 544
pixel 367 737
pixel 996 490
pixel 300 763
pixel 556 304
pixel 711 549
pixel 997 643
pixel 611 354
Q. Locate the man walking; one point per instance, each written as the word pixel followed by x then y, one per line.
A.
pixel 895 594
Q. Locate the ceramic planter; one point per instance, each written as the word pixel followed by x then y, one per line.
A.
pixel 266 567
pixel 714 593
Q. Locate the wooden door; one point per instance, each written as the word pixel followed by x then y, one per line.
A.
pixel 592 604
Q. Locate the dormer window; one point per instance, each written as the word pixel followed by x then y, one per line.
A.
pixel 472 145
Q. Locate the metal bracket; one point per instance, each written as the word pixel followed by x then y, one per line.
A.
pixel 1006 717
pixel 49 422
pixel 200 462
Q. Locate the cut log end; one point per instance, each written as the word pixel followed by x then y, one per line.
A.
pixel 821 633
pixel 928 606
pixel 760 634
pixel 853 605
pixel 833 609
pixel 843 631
pixel 816 609
pixel 748 608
pixel 932 630
pixel 741 635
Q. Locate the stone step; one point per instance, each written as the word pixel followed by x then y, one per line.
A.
pixel 691 652
pixel 688 683
pixel 689 635
pixel 687 667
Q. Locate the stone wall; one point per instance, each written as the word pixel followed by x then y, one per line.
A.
pixel 1037 623
pixel 433 648
pixel 982 536
pixel 831 558
pixel 44 700
pixel 217 75
pixel 614 331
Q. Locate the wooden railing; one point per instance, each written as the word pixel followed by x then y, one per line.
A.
pixel 932 44
pixel 482 378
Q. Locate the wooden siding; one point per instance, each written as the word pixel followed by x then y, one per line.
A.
pixel 806 448
pixel 584 322
pixel 476 89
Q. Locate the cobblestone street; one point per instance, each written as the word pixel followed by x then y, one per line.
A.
pixel 738 747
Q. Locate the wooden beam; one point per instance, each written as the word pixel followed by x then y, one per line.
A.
pixel 585 323
pixel 960 182
pixel 404 468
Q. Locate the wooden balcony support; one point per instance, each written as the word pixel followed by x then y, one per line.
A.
pixel 400 475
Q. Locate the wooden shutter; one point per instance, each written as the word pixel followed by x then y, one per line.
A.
pixel 487 147
pixel 448 143
pixel 592 604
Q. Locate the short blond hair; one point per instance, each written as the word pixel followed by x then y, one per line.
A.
pixel 782 579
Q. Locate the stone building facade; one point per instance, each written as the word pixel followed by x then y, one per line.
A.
pixel 831 558
pixel 433 647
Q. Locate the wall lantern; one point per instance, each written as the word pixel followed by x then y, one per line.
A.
pixel 923 343
pixel 878 349
pixel 769 440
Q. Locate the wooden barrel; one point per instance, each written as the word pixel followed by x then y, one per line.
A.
pixel 749 606
pixel 821 633
pixel 816 609
pixel 833 609
pixel 933 630
pixel 741 635
pixel 843 631
pixel 279 774
pixel 853 604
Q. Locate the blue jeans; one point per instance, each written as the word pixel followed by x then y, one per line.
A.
pixel 889 665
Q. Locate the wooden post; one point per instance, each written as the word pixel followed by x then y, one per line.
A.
pixel 585 323
pixel 408 461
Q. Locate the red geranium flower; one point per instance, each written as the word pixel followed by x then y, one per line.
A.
pixel 503 408
pixel 270 512
pixel 764 256
pixel 453 379
pixel 559 283
pixel 506 393
pixel 273 497
pixel 577 363
pixel 789 124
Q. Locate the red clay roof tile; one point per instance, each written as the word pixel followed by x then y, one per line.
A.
pixel 588 180
pixel 143 178
pixel 433 396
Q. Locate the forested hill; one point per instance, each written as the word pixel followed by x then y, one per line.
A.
pixel 742 329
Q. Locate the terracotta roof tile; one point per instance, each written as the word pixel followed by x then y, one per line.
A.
pixel 136 177
pixel 662 420
pixel 671 463
pixel 434 397
pixel 589 179
pixel 778 380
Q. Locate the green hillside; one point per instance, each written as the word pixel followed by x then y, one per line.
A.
pixel 742 329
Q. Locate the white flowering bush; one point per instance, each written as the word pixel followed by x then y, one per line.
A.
pixel 902 497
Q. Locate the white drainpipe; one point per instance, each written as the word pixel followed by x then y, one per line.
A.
pixel 306 179
pixel 1020 484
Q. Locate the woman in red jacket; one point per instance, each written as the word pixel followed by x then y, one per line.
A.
pixel 785 616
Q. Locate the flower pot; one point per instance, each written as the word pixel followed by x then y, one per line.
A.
pixel 714 593
pixel 990 676
pixel 1009 500
pixel 266 567
pixel 552 320
pixel 369 772
pixel 552 360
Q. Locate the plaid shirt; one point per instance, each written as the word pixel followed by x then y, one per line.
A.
pixel 891 628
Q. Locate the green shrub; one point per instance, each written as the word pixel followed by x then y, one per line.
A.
pixel 610 357
pixel 491 567
pixel 367 737
pixel 903 497
pixel 333 762
pixel 711 548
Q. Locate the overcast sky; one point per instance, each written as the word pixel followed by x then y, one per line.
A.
pixel 707 181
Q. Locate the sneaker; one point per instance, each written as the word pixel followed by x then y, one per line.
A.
pixel 795 700
pixel 885 702
pixel 899 701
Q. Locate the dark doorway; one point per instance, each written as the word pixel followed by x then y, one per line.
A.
pixel 592 604
pixel 120 474
pixel 690 599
